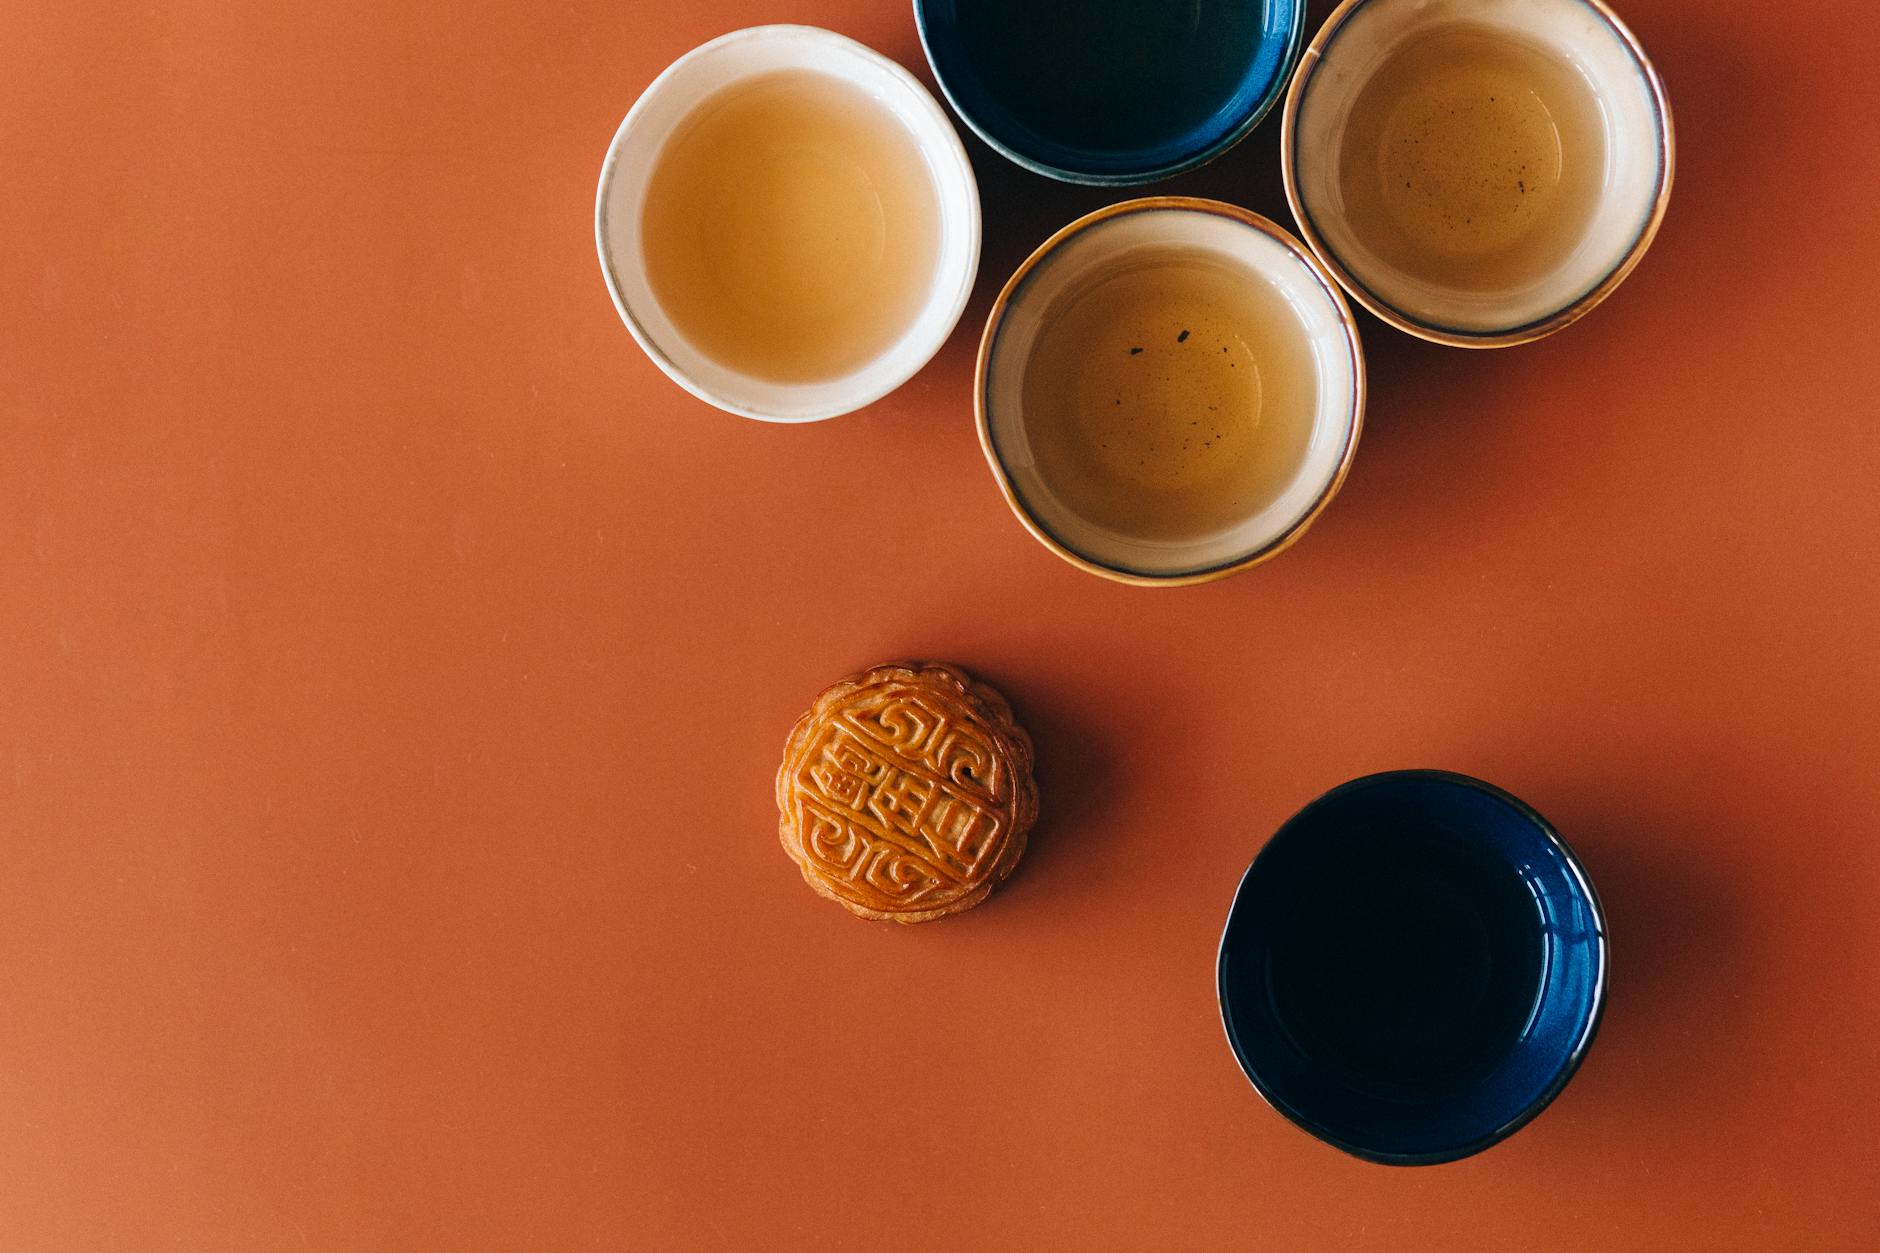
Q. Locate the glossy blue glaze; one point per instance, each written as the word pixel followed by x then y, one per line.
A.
pixel 1166 142
pixel 1410 1127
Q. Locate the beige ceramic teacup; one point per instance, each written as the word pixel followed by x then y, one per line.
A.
pixel 1477 172
pixel 1169 391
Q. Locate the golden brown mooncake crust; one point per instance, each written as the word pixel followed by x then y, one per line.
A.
pixel 906 792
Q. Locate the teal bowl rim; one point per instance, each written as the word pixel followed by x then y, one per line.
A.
pixel 1282 80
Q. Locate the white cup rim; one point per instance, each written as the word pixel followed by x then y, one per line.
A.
pixel 959 205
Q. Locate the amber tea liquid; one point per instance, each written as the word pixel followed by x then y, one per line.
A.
pixel 1473 159
pixel 1170 396
pixel 791 227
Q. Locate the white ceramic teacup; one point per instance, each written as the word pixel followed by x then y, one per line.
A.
pixel 668 103
pixel 1170 228
pixel 1634 118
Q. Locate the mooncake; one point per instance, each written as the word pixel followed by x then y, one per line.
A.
pixel 906 792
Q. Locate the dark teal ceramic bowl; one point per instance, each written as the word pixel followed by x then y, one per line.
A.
pixel 1413 967
pixel 1111 91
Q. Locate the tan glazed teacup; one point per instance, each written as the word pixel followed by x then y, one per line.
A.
pixel 1169 390
pixel 1477 172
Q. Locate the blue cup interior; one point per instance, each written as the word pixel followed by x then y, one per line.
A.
pixel 1188 80
pixel 1408 1125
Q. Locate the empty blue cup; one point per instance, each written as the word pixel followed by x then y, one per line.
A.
pixel 1111 91
pixel 1413 967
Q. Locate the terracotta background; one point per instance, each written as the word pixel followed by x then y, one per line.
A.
pixel 393 665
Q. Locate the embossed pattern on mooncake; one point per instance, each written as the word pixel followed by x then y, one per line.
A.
pixel 906 792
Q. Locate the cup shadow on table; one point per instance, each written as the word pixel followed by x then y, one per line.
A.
pixel 1676 1009
pixel 1683 998
pixel 1427 457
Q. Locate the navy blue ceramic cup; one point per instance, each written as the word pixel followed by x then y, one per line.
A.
pixel 1111 91
pixel 1413 967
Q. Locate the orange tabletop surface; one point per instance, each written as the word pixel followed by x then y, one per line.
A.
pixel 394 665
